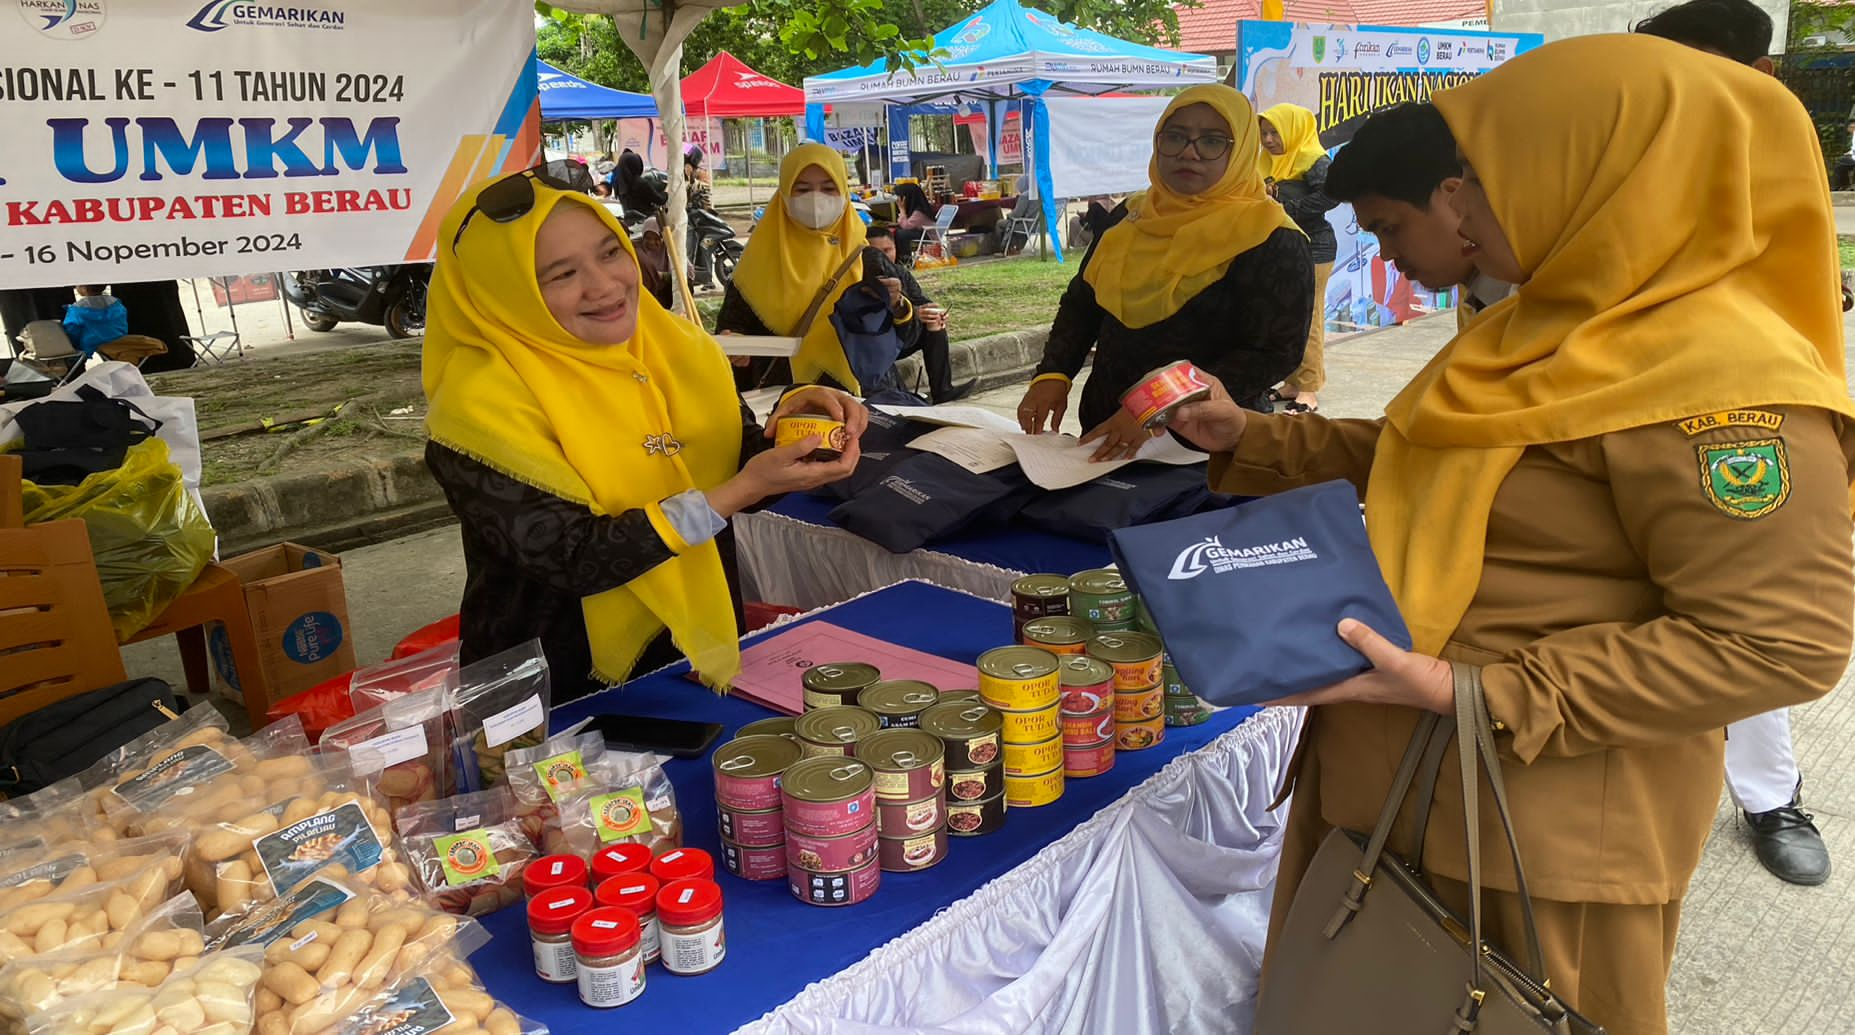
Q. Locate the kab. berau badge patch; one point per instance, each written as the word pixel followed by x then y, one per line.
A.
pixel 1746 479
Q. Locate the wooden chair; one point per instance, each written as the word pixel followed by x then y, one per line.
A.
pixel 55 635
pixel 12 507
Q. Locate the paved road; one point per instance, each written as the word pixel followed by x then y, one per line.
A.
pixel 1755 955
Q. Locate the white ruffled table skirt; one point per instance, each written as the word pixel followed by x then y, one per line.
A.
pixel 1148 918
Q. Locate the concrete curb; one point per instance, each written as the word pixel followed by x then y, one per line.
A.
pixel 368 501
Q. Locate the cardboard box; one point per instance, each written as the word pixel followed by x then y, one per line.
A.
pixel 299 611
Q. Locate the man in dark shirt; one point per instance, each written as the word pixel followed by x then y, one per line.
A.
pixel 932 344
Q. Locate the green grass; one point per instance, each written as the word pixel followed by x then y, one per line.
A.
pixel 1847 246
pixel 1006 295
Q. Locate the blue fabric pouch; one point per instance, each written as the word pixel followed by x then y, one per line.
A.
pixel 1247 599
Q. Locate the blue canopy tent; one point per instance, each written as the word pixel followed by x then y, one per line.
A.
pixel 1006 52
pixel 565 96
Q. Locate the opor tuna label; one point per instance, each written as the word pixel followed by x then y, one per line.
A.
pixel 466 858
pixel 188 767
pixel 342 834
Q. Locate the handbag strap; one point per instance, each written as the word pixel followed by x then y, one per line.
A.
pixel 1427 730
pixel 811 313
pixel 1475 740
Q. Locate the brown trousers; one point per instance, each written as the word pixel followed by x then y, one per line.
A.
pixel 1610 962
pixel 1311 375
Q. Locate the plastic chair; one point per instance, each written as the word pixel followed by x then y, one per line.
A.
pixel 937 234
pixel 54 627
pixel 216 596
pixel 215 348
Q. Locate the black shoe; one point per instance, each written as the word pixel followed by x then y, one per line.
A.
pixel 957 392
pixel 1788 844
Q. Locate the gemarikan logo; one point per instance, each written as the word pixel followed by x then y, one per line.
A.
pixel 1213 556
pixel 224 14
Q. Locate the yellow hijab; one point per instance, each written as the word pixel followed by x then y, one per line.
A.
pixel 1172 246
pixel 787 262
pixel 1300 142
pixel 613 427
pixel 1675 222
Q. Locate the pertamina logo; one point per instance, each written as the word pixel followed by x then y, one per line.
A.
pixel 1213 556
pixel 63 19
pixel 226 14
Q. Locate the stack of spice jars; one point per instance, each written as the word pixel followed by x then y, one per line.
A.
pixel 1022 683
pixel 1139 705
pixel 748 804
pixel 1103 599
pixel 910 776
pixel 1088 716
pixel 898 704
pixel 968 730
pixel 1034 597
pixel 830 816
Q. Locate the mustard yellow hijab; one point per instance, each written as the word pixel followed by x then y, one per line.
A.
pixel 1300 143
pixel 613 427
pixel 1674 219
pixel 787 262
pixel 1172 246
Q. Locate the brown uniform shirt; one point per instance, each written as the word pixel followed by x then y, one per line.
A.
pixel 1629 608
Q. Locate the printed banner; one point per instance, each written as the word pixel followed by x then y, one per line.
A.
pixel 155 139
pixel 1343 73
pixel 1101 145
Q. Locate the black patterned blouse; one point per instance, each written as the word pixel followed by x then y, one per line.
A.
pixel 1247 329
pixel 529 556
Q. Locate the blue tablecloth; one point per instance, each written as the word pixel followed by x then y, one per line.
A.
pixel 1017 549
pixel 776 944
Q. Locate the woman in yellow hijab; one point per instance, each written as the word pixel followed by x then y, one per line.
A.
pixel 1295 164
pixel 807 263
pixel 1620 497
pixel 591 442
pixel 1202 266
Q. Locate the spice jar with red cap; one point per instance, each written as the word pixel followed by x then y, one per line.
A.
pixel 553 871
pixel 609 955
pixel 617 860
pixel 636 892
pixel 683 864
pixel 550 925
pixel 693 940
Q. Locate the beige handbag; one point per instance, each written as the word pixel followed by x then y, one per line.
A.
pixel 1367 947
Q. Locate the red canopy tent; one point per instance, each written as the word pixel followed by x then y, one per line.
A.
pixel 726 88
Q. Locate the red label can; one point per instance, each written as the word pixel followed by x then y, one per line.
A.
pixel 832 854
pixel 1085 760
pixel 1091 728
pixel 828 797
pixel 747 771
pixel 1153 398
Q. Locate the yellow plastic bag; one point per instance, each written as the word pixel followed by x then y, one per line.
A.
pixel 149 538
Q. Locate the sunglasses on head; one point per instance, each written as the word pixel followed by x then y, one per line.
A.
pixel 513 196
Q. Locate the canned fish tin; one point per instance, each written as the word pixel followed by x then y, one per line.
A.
pixel 1136 736
pixel 836 682
pixel 1018 678
pixel 833 437
pixel 960 697
pixel 899 704
pixel 1031 791
pixel 969 733
pixel 1185 711
pixel 1101 597
pixel 1085 760
pixel 751 829
pixel 1035 596
pixel 839 854
pixel 972 818
pixel 765 862
pixel 1154 398
pixel 907 818
pixel 1030 727
pixel 834 732
pixel 777 726
pixel 828 797
pixel 1089 727
pixel 1086 682
pixel 908 854
pixel 1023 759
pixel 747 771
pixel 1139 705
pixel 1169 678
pixel 907 763
pixel 1134 657
pixel 834 889
pixel 1060 634
pixel 975 784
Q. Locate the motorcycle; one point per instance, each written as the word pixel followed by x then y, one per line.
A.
pixel 715 236
pixel 387 296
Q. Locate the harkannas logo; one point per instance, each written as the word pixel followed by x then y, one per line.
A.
pixel 225 14
pixel 1213 556
pixel 63 19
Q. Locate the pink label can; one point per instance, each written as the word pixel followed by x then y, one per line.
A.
pixel 831 854
pixel 907 818
pixel 747 771
pixel 828 797
pixel 761 863
pixel 751 829
pixel 835 889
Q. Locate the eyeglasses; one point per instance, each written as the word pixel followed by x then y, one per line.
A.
pixel 1210 146
pixel 513 196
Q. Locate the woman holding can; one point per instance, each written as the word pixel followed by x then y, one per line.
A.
pixel 1204 266
pixel 591 442
pixel 1563 501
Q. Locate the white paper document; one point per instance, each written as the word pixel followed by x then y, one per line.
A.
pixel 979 450
pixel 1061 462
pixel 954 416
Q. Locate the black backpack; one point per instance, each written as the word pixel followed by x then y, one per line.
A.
pixel 69 439
pixel 63 738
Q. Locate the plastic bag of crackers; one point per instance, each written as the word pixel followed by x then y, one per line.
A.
pixel 467 852
pixel 501 705
pixel 402 744
pixel 146 954
pixel 202 772
pixel 624 797
pixel 91 916
pixel 62 866
pixel 213 996
pixel 445 996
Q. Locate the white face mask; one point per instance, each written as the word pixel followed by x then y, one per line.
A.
pixel 816 210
